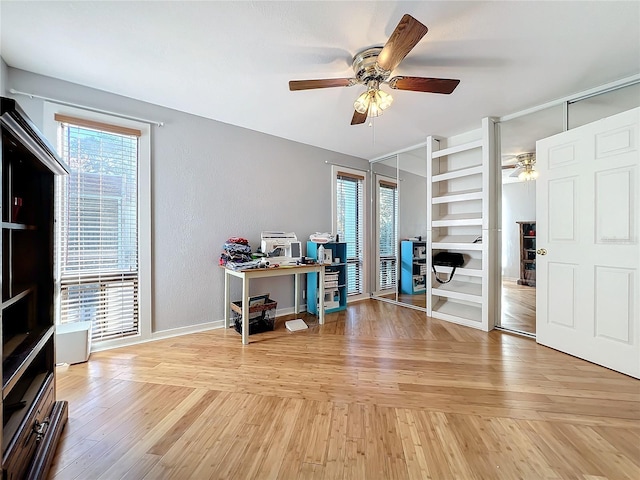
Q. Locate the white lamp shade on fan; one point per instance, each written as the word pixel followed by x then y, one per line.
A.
pixel 373 102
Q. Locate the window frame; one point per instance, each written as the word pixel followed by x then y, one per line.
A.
pixel 364 224
pixel 50 128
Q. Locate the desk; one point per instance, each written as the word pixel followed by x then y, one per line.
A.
pixel 246 275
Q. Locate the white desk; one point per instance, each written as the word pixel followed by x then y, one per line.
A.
pixel 246 275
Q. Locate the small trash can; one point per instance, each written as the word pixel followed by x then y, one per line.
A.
pixel 73 342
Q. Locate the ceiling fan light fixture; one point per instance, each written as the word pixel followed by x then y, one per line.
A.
pixel 383 99
pixel 362 102
pixel 527 161
pixel 528 174
pixel 373 102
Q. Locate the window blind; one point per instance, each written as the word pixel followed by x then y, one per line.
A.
pixel 97 228
pixel 388 241
pixel 350 224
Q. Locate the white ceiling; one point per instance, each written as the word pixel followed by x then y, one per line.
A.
pixel 231 61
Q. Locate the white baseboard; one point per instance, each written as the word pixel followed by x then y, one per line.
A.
pixel 509 279
pixel 177 332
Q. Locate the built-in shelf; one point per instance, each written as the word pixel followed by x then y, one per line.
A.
pixel 456 242
pixel 461 219
pixel 472 268
pixel 457 312
pixel 468 291
pixel 457 149
pixel 461 196
pixel 460 173
pixel 458 219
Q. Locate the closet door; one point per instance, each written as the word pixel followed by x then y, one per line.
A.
pixel 588 261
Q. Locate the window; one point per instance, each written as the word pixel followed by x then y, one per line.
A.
pixel 98 237
pixel 350 225
pixel 388 241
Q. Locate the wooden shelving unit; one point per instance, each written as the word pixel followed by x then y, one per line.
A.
pixel 462 194
pixel 32 420
pixel 527 235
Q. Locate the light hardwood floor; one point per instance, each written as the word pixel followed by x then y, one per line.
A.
pixel 518 307
pixel 379 392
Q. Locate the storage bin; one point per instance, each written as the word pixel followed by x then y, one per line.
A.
pixel 262 318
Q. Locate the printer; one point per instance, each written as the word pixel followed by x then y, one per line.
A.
pixel 281 247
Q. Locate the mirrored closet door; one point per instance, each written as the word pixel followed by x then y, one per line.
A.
pixel 384 176
pixel 518 146
pixel 400 228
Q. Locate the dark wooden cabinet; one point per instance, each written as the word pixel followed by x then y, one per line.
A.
pixel 32 419
pixel 527 234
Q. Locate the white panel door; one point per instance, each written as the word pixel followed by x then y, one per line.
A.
pixel 588 262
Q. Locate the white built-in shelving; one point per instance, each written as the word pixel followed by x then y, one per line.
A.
pixel 462 193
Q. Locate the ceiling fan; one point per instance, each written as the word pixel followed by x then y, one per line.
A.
pixel 524 167
pixel 373 67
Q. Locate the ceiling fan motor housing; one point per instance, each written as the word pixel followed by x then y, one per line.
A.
pixel 365 66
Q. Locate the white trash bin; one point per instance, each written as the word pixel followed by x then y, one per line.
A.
pixel 73 342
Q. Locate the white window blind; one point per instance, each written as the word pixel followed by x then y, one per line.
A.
pixel 97 228
pixel 350 223
pixel 388 241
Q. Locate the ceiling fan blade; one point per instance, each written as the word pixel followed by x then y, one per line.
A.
pixel 517 172
pixel 358 118
pixel 406 35
pixel 324 83
pixel 507 167
pixel 422 84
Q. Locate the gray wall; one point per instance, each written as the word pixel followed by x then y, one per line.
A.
pixel 210 181
pixel 4 73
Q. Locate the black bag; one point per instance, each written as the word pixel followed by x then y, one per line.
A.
pixel 447 259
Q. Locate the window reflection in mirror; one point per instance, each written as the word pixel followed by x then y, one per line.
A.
pixel 384 174
pixel 400 224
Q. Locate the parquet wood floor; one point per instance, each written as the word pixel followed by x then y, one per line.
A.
pixel 518 307
pixel 379 392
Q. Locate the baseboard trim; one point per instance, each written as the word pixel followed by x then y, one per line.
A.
pixel 178 332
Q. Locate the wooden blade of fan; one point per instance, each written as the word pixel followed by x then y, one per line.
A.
pixel 325 83
pixel 422 84
pixel 406 35
pixel 358 118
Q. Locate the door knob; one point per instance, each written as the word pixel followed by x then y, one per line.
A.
pixel 541 251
